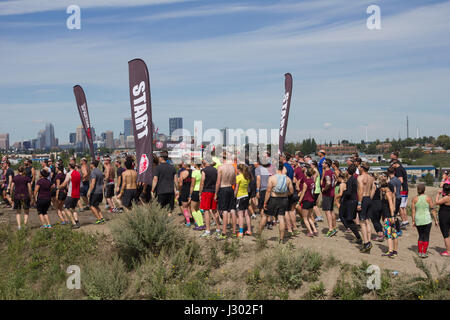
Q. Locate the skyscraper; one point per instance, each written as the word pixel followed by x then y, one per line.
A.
pixel 4 141
pixel 49 134
pixel 127 128
pixel 224 132
pixel 72 137
pixel 109 139
pixel 80 137
pixel 174 124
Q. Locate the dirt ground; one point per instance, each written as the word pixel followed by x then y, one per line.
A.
pixel 339 246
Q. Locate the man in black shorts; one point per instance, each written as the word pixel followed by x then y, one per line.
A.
pixel 366 191
pixel 165 182
pixel 95 191
pixel 226 202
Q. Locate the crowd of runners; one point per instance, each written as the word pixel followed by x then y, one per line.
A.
pixel 221 197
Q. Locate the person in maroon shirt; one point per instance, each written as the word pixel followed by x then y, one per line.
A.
pixel 21 184
pixel 61 195
pixel 307 186
pixel 43 196
pixel 327 184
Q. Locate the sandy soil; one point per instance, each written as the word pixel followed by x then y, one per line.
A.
pixel 339 246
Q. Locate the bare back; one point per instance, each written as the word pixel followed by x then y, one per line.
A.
pixel 228 175
pixel 129 178
pixel 365 185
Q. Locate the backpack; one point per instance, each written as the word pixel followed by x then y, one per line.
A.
pixel 281 186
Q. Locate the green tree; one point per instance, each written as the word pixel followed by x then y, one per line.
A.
pixel 443 141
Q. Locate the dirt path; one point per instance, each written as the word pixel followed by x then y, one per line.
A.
pixel 339 246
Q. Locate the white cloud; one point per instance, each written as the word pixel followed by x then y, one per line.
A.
pixel 16 7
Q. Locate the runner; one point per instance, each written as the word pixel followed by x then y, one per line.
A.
pixel 9 174
pixel 366 192
pixel 328 184
pixel 72 182
pixel 253 204
pixel 290 216
pixel 276 202
pixel 85 176
pixel 262 179
pixel 224 195
pixel 317 192
pixel 30 172
pixel 184 187
pixel 306 199
pixel 338 199
pixel 336 172
pixel 109 183
pixel 95 191
pixel 119 171
pixel 61 195
pixel 421 219
pixel 194 197
pixel 444 217
pixel 395 185
pixel 390 231
pixel 21 189
pixel 165 182
pixel 350 203
pixel 401 174
pixel 128 193
pixel 322 154
pixel 242 199
pixel 376 210
pixel 42 194
pixel 206 193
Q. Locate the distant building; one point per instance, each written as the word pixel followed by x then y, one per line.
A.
pixel 27 145
pixel 4 141
pixel 80 137
pixel 40 141
pixel 127 127
pixel 49 135
pixel 129 143
pixel 72 138
pixel 174 124
pixel 224 133
pixel 337 149
pixel 109 143
pixel 384 147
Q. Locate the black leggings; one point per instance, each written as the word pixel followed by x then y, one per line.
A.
pixel 375 212
pixel 349 215
pixel 424 232
pixel 342 210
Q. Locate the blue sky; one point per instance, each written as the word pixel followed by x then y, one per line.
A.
pixel 223 62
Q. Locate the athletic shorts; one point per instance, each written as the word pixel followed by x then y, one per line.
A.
pixel 62 195
pixel 95 199
pixel 84 188
pixel 109 191
pixel 22 204
pixel 366 203
pixel 307 205
pixel 42 206
pixel 129 196
pixel 70 203
pixel 327 203
pixel 390 231
pixel 262 196
pixel 293 199
pixel 207 201
pixel 195 197
pixel 184 194
pixel 277 206
pixel 242 203
pixel 165 199
pixel 225 199
pixel 145 196
pixel 316 196
pixel 404 202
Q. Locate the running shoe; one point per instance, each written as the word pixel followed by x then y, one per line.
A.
pixel 319 219
pixel 333 232
pixel 187 225
pixel 102 220
pixel 197 228
pixel 205 234
pixel 338 220
pixel 86 208
pixel 98 222
pixel 240 235
pixel 316 234
pixel 400 233
pixel 445 254
pixel 328 234
pixel 76 226
pixel 348 230
pixel 388 254
pixel 405 223
pixel 310 234
pixel 49 226
pixel 394 253
pixel 221 237
pixel 247 233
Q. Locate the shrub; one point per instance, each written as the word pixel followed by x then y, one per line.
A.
pixel 104 279
pixel 316 292
pixel 144 229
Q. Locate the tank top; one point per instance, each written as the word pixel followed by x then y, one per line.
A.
pixel 310 186
pixel 377 195
pixel 317 188
pixel 28 172
pixel 385 206
pixel 423 216
pixel 197 174
pixel 74 185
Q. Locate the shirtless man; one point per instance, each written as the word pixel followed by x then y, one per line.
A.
pixel 366 192
pixel 276 201
pixel 226 179
pixel 128 192
pixel 85 175
pixel 109 184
